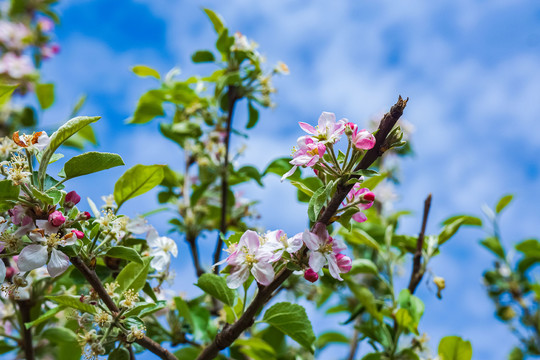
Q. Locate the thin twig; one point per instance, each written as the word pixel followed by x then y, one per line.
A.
pixel 95 282
pixel 230 333
pixel 353 348
pixel 417 271
pixel 225 177
pixel 24 307
pixel 192 241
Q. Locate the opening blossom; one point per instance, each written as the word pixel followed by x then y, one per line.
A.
pixel 323 250
pixel 278 242
pixel 361 139
pixel 308 153
pixel 328 130
pixel 364 199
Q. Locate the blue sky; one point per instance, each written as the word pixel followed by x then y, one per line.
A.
pixel 469 67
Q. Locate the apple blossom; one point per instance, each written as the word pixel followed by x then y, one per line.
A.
pixel 56 218
pixel 363 198
pixel 38 140
pixel 250 256
pixel 161 248
pixel 16 66
pixel 278 242
pixel 13 35
pixel 323 250
pixel 72 199
pixel 328 130
pixel 308 153
pixel 311 275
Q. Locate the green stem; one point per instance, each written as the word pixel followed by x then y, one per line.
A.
pixel 334 158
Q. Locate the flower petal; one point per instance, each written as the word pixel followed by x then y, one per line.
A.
pixel 2 271
pixel 311 240
pixel 316 261
pixel 263 273
pixel 58 263
pixel 333 266
pixel 32 257
pixel 238 276
pixel 307 128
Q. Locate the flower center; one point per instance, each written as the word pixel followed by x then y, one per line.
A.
pixel 250 259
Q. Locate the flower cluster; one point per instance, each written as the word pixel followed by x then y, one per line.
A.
pixel 260 256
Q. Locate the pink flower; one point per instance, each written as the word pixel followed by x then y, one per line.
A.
pixel 49 51
pixel 344 263
pixel 36 255
pixel 56 218
pixel 363 197
pixel 45 24
pixel 328 130
pixel 250 256
pixel 16 66
pixel 277 242
pixel 311 275
pixel 72 199
pixel 308 154
pixel 361 139
pixel 323 250
pixel 85 215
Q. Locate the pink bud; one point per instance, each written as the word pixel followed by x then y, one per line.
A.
pixel 72 199
pixel 344 263
pixel 85 215
pixel 311 275
pixel 10 271
pixel 368 197
pixel 56 218
pixel 79 234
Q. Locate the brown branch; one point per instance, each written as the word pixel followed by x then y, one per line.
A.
pixel 194 249
pixel 96 284
pixel 353 347
pixel 225 176
pixel 28 346
pixel 417 271
pixel 230 333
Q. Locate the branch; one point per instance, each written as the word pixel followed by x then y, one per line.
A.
pixel 24 306
pixel 225 177
pixel 192 241
pixel 417 271
pixel 94 281
pixel 230 333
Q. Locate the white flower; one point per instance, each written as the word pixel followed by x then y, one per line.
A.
pixel 278 242
pixel 139 225
pixel 161 248
pixel 12 35
pixel 16 66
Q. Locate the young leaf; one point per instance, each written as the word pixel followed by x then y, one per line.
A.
pixel 503 202
pixel 120 353
pixel 216 20
pixel 89 163
pixel 363 266
pixel 8 191
pixel 126 253
pixel 216 286
pixel 202 56
pixel 133 276
pixel 49 314
pixel 454 348
pixel 494 245
pixel 136 181
pixel 62 134
pixel 144 71
pixel 5 92
pixel 331 337
pixel 45 95
pixel 59 335
pixel 292 320
pixel 253 116
pixel 150 105
pixel 73 302
pixel 316 203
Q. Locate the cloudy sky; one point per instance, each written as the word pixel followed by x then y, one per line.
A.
pixel 469 67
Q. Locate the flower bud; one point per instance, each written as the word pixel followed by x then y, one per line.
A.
pixel 344 263
pixel 85 215
pixel 440 283
pixel 311 275
pixel 56 218
pixel 72 199
pixel 10 271
pixel 79 234
pixel 368 197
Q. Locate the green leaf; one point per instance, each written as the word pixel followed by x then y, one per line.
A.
pixel 365 297
pixel 253 116
pixel 59 335
pixel 5 92
pixel 49 314
pixel 345 218
pixel 363 266
pixel 454 348
pixel 144 71
pixel 467 220
pixel 373 181
pixel 62 134
pixel 8 191
pixel 72 302
pixel 5 347
pixel 188 353
pixel 360 237
pixel 292 320
pixel 216 20
pixel 150 106
pixel 449 230
pixel 45 95
pixel 494 245
pixel 90 162
pixel 133 276
pixel 216 286
pixel 280 167
pixel 202 56
pixel 529 248
pixel 120 353
pixel 256 349
pixel 316 203
pixel 122 252
pixel 503 202
pixel 331 337
pixel 136 181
